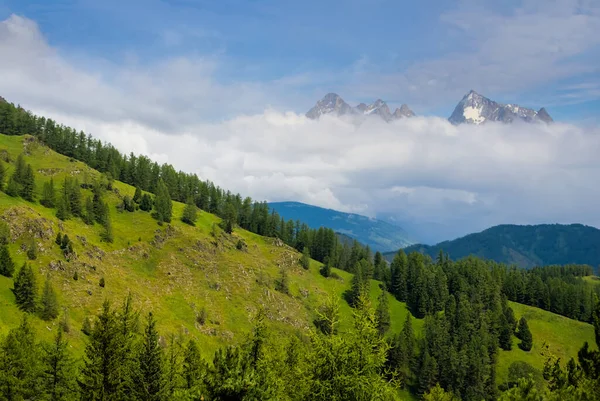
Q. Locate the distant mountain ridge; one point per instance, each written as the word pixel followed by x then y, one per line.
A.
pixel 379 235
pixel 473 108
pixel 333 104
pixel 477 109
pixel 526 246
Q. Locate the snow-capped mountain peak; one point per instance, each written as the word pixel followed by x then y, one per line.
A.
pixel 334 104
pixel 477 109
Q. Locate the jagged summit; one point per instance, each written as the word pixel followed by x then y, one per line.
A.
pixel 475 108
pixel 334 104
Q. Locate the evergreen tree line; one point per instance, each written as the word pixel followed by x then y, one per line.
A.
pixel 558 289
pixel 126 359
pixel 166 184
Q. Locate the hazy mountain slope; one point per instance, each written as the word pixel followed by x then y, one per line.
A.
pixel 526 246
pixel 379 235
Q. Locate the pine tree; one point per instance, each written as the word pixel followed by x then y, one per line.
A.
pixel 149 373
pixel 382 314
pixel 505 335
pixel 49 303
pixel 25 289
pixel 230 218
pixel 163 203
pixel 48 194
pixel 525 335
pixel 62 209
pixel 328 316
pixel 2 175
pixel 13 188
pixel 20 169
pixel 89 216
pixel 305 259
pixel 32 249
pixel 146 203
pixel 59 239
pixel 427 372
pixel 4 233
pixel 107 233
pixel 20 364
pixel 7 266
pixel 283 282
pixel 189 213
pixel 58 367
pixel 137 197
pixel 102 283
pixel 104 375
pixel 28 184
pixel 358 287
pixel 193 367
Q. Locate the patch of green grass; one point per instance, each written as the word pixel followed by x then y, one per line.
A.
pixel 563 335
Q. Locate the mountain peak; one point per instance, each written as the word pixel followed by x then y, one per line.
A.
pixel 475 108
pixel 332 103
pixel 403 112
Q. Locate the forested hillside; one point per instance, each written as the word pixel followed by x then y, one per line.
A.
pixel 524 246
pixel 109 291
pixel 379 235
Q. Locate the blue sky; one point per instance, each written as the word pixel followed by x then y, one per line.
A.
pixel 220 88
pixel 361 49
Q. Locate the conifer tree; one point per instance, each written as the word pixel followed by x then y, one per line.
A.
pixel 149 381
pixel 32 249
pixel 2 175
pixel 28 184
pixel 358 287
pixel 283 282
pixel 59 239
pixel 505 335
pixel 382 314
pixel 230 218
pixel 107 233
pixel 137 197
pixel 49 303
pixel 25 289
pixel 193 367
pixel 13 188
pixel 20 364
pixel 525 335
pixel 4 233
pixel 163 203
pixel 108 356
pixel 48 194
pixel 305 259
pixel 7 266
pixel 58 367
pixel 328 316
pixel 89 216
pixel 189 213
pixel 20 169
pixel 146 203
pixel 62 208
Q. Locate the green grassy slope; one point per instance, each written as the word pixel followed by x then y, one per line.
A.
pixel 564 337
pixel 172 271
pixel 175 272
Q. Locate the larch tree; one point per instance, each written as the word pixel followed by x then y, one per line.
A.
pixel 49 303
pixel 7 266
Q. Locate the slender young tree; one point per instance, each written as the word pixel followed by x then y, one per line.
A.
pixel 189 213
pixel 48 194
pixel 25 289
pixel 525 335
pixel 32 249
pixel 382 314
pixel 7 266
pixel 49 303
pixel 2 175
pixel 305 259
pixel 28 184
pixel 58 367
pixel 163 203
pixel 194 369
pixel 149 381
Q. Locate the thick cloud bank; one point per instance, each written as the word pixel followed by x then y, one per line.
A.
pixel 451 179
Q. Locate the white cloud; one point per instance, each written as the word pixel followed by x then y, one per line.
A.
pixel 423 169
